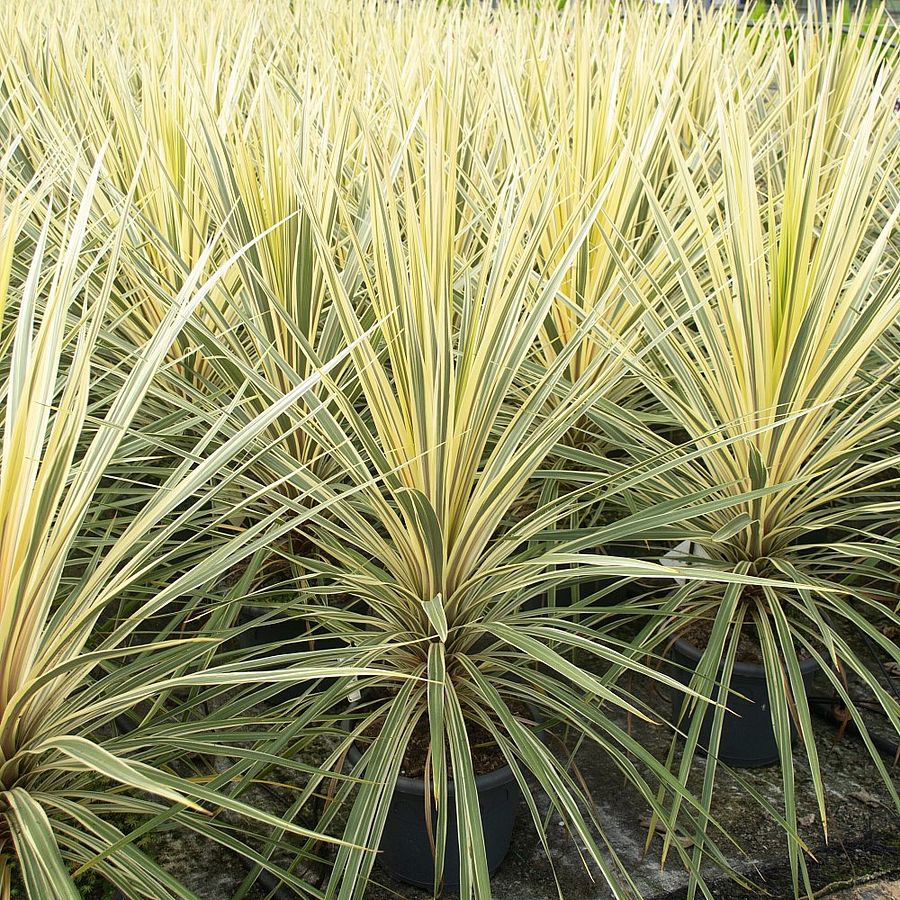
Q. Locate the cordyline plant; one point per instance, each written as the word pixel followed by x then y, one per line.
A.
pixel 87 578
pixel 272 325
pixel 777 356
pixel 297 162
pixel 429 577
pixel 600 111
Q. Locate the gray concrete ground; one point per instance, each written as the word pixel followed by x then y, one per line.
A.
pixel 864 839
pixel 877 890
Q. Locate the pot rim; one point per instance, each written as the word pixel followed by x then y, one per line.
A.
pixel 416 786
pixel 745 669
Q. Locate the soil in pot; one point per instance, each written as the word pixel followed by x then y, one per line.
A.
pixel 406 850
pixel 748 738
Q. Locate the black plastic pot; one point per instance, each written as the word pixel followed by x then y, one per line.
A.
pixel 290 634
pixel 624 589
pixel 619 590
pixel 405 849
pixel 748 738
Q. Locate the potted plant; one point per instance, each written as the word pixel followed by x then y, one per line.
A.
pixel 775 357
pixel 407 846
pixel 423 538
pixel 747 738
pixel 274 328
pixel 88 573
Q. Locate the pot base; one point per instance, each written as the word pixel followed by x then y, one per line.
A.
pixel 748 738
pixel 405 849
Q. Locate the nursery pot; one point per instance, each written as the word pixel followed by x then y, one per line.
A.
pixel 292 634
pixel 405 849
pixel 622 588
pixel 567 594
pixel 748 738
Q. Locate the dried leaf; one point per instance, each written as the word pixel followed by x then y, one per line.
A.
pixel 660 829
pixel 866 797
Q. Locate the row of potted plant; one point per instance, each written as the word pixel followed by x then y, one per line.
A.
pixel 358 387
